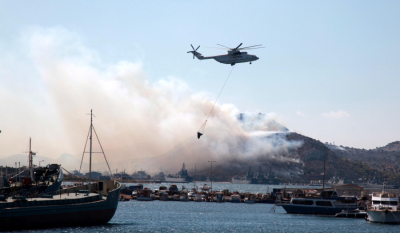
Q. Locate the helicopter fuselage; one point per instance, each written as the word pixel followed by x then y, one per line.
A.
pixel 231 58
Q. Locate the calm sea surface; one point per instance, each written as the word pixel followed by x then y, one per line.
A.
pixel 170 216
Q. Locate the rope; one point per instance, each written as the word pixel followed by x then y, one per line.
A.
pixel 203 125
pixel 103 152
pixel 69 172
pixel 84 149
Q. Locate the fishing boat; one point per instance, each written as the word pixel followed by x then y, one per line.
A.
pixel 384 208
pixel 74 206
pixel 32 181
pixel 84 205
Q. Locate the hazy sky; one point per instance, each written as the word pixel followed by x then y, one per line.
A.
pixel 329 70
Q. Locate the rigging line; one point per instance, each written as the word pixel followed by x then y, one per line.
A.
pixel 220 93
pixel 69 172
pixel 84 149
pixel 103 151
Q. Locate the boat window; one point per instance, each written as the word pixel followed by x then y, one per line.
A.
pixel 323 203
pixel 303 202
pixel 348 201
pixel 384 202
pixel 376 202
pixel 393 202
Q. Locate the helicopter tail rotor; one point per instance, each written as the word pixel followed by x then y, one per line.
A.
pixel 194 51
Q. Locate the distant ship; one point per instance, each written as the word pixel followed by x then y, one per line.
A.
pixel 244 179
pixel 181 177
pixel 260 178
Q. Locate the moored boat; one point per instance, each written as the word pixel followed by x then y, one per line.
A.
pixel 219 198
pixel 384 208
pixel 235 198
pixel 73 207
pixel 205 188
pixel 145 195
pixel 328 203
pixel 250 198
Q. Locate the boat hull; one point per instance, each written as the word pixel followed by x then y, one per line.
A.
pixel 238 181
pixel 175 180
pixel 384 216
pixel 65 215
pixel 51 220
pixel 293 209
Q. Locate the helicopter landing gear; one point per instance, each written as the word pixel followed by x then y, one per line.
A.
pixel 250 63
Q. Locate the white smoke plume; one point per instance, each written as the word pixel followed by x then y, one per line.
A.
pixel 135 118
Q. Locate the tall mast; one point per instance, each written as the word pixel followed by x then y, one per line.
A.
pixel 90 160
pixel 323 182
pixel 30 158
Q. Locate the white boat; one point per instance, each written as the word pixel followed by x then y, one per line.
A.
pixel 184 196
pixel 164 196
pixel 250 199
pixel 199 197
pixel 205 187
pixel 235 198
pixel 192 193
pixel 384 208
pixel 145 195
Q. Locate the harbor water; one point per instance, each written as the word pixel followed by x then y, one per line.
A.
pixel 171 216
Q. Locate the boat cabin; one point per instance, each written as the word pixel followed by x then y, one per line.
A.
pixel 384 200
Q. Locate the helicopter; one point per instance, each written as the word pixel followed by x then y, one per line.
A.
pixel 234 54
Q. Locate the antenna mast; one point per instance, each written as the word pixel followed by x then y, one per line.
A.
pixel 90 136
pixel 90 160
pixel 31 158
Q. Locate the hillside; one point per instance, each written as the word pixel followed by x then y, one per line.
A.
pixel 385 159
pixel 347 168
pixel 311 154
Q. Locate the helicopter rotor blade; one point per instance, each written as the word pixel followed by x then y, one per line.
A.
pixel 192 46
pixel 197 48
pixel 223 46
pixel 216 48
pixel 238 46
pixel 251 46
